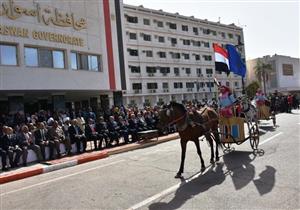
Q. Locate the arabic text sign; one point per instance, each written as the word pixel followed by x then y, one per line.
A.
pixel 45 15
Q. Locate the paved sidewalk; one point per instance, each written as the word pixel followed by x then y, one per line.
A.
pixel 36 169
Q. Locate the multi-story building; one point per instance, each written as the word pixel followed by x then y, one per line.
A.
pixel 170 56
pixel 283 77
pixel 60 54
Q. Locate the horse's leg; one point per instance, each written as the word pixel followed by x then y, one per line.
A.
pixel 200 155
pixel 210 141
pixel 183 150
pixel 218 143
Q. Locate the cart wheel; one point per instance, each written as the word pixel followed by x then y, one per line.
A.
pixel 254 136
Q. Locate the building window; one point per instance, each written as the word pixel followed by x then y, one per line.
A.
pixel 186 56
pixel 186 42
pixel 230 36
pixel 173 41
pixel 165 85
pixel 136 86
pixel 195 30
pixel 227 84
pixel 175 55
pixel 160 24
pixel 151 86
pixel 42 57
pixel 150 69
pixel 178 85
pixel 31 57
pixel 149 53
pixel 135 69
pixel 173 26
pixel 188 71
pixel 8 54
pixel 176 71
pixel 132 36
pixel 146 22
pixel 209 71
pixel 162 54
pixel 287 70
pixel 197 57
pixel 199 72
pixel 206 31
pixel 185 28
pixel 206 44
pixel 210 84
pixel 131 19
pixel 207 57
pixel 213 32
pixel 147 37
pixel 164 70
pixel 189 85
pixel 196 43
pixel 236 84
pixel 133 52
pixel 161 39
pixel 59 61
pixel 80 61
pixel 223 35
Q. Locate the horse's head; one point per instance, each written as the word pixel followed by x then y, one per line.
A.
pixel 170 114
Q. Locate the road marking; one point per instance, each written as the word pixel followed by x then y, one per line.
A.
pixel 269 139
pixel 163 193
pixel 59 178
pixel 175 187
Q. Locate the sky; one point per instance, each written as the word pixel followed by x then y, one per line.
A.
pixel 270 26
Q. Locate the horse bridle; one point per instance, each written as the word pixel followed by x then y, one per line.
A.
pixel 177 119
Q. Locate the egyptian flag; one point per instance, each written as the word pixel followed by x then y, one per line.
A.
pixel 221 59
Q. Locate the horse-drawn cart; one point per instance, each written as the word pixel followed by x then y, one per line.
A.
pixel 264 113
pixel 233 129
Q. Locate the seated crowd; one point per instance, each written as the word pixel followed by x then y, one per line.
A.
pixel 42 129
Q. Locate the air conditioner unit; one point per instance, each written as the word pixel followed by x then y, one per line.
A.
pixel 166 90
pixel 177 74
pixel 152 91
pixel 164 74
pixel 150 74
pixel 137 91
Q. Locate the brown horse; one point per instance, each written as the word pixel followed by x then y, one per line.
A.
pixel 176 113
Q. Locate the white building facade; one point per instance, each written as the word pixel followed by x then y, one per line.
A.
pixel 60 54
pixel 284 76
pixel 171 57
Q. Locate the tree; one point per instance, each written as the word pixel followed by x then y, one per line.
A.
pixel 251 89
pixel 262 69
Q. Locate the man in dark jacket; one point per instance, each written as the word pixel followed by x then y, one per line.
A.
pixel 77 136
pixel 113 128
pixel 3 146
pixel 42 139
pixel 101 128
pixel 91 133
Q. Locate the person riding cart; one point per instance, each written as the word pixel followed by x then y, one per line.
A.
pixel 226 100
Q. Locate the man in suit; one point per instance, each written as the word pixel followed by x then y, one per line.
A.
pixel 113 129
pixel 101 128
pixel 77 136
pixel 10 144
pixel 133 127
pixel 3 146
pixel 92 134
pixel 56 133
pixel 42 139
pixel 25 139
pixel 123 124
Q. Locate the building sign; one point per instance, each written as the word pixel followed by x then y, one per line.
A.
pixel 40 35
pixel 287 69
pixel 44 15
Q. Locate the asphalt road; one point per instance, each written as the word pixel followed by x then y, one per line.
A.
pixel 144 179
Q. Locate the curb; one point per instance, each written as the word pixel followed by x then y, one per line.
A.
pixel 17 175
pixel 84 158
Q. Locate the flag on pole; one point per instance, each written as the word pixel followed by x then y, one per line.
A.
pixel 221 59
pixel 236 65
